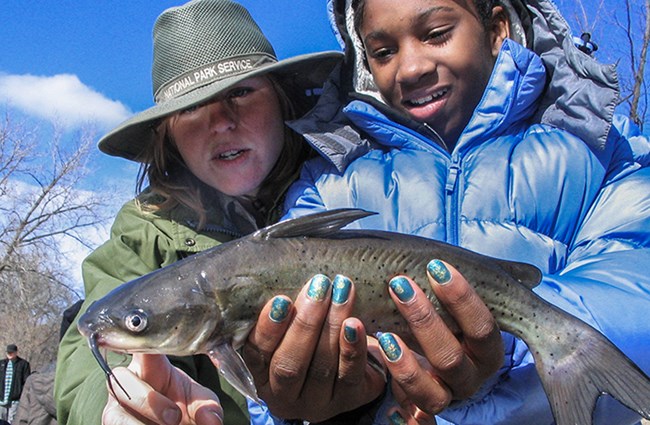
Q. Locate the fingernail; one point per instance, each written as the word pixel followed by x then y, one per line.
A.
pixel 318 287
pixel 341 289
pixel 389 346
pixel 439 272
pixel 279 309
pixel 171 416
pixel 396 418
pixel 217 414
pixel 402 288
pixel 350 334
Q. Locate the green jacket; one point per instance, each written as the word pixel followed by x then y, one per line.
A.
pixel 141 242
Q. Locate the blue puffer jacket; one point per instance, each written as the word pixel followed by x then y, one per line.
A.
pixel 514 187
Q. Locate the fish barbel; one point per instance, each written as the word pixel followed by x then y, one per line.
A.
pixel 209 302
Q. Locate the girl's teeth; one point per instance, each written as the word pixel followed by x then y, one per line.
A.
pixel 422 101
pixel 427 99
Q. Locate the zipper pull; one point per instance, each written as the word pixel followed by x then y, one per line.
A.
pixel 452 177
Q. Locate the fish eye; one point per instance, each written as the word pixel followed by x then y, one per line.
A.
pixel 136 321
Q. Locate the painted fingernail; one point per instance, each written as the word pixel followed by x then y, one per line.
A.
pixel 318 287
pixel 402 288
pixel 341 289
pixel 390 347
pixel 350 334
pixel 396 418
pixel 279 309
pixel 439 272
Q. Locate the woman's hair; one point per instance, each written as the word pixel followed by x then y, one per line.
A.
pixel 169 177
pixel 483 7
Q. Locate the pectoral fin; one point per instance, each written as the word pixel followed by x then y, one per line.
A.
pixel 234 370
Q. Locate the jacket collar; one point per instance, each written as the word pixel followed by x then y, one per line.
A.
pixel 511 96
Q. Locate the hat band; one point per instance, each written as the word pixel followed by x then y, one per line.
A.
pixel 208 74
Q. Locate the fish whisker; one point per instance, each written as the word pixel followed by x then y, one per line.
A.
pixel 94 348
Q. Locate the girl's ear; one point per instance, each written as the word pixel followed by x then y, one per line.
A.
pixel 499 28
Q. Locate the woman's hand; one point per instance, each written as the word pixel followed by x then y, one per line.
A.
pixel 159 394
pixel 454 365
pixel 310 361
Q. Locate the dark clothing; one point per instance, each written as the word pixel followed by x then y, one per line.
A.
pixel 68 317
pixel 21 372
pixel 37 405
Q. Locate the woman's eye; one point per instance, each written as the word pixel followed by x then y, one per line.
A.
pixel 190 109
pixel 239 92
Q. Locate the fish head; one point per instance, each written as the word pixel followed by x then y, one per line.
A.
pixel 164 313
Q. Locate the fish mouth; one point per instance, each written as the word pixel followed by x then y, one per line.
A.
pixel 110 377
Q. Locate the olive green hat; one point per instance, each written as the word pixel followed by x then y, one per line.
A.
pixel 201 49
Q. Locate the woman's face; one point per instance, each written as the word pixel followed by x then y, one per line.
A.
pixel 232 141
pixel 430 59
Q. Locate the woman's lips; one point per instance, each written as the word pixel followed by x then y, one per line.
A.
pixel 230 155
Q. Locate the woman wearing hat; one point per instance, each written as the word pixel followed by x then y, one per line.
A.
pixel 218 159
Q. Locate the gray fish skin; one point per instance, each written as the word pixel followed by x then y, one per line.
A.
pixel 213 299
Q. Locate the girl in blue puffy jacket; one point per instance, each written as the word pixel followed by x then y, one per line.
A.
pixel 480 124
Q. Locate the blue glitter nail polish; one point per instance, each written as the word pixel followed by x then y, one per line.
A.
pixel 341 289
pixel 279 309
pixel 402 288
pixel 318 287
pixel 389 345
pixel 350 334
pixel 439 272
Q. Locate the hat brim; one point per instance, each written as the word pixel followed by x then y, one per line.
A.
pixel 128 139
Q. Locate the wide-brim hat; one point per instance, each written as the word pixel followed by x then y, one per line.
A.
pixel 201 49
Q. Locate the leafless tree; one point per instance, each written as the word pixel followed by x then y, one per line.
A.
pixel 637 96
pixel 41 205
pixel 623 35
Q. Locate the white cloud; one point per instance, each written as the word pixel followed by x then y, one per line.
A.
pixel 61 98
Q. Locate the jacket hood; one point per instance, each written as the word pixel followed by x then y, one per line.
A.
pixel 581 93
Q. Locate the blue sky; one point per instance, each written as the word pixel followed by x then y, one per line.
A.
pixel 107 44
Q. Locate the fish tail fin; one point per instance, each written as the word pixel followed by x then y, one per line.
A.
pixel 574 380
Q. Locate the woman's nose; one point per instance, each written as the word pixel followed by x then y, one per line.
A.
pixel 221 115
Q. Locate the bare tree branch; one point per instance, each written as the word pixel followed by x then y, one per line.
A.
pixel 43 205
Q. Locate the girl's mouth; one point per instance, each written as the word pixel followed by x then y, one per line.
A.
pixel 425 100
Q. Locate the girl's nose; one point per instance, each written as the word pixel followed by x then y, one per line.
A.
pixel 413 64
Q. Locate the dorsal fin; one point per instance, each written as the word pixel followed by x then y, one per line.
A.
pixel 524 273
pixel 320 224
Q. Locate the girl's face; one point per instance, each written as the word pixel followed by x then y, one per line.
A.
pixel 232 141
pixel 431 59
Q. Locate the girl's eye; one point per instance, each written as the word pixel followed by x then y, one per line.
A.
pixel 381 53
pixel 439 36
